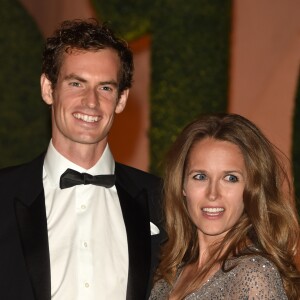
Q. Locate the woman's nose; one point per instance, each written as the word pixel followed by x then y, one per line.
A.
pixel 213 191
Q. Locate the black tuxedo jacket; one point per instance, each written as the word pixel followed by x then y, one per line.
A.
pixel 24 250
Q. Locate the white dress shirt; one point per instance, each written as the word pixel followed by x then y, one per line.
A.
pixel 87 235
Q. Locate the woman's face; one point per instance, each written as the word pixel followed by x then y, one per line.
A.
pixel 213 186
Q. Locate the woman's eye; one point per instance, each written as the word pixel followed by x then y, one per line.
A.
pixel 231 178
pixel 200 177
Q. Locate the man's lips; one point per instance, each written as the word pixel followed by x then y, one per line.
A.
pixel 86 118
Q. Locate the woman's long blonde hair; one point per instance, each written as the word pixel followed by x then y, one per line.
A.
pixel 269 220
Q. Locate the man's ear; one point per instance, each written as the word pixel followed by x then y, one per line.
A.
pixel 122 102
pixel 46 89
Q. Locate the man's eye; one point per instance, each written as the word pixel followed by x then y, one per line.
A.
pixel 74 83
pixel 231 178
pixel 199 177
pixel 106 88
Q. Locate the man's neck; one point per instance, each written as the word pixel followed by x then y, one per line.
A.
pixel 83 155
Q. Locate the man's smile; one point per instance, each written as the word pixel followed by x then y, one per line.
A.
pixel 86 118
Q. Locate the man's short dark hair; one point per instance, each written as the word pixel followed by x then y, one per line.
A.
pixel 86 35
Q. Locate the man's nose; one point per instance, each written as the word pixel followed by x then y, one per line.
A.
pixel 91 99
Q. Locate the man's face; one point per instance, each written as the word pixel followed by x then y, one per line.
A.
pixel 85 98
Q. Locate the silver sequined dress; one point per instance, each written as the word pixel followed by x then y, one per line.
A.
pixel 254 277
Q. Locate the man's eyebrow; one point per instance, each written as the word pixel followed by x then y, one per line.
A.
pixel 111 82
pixel 73 76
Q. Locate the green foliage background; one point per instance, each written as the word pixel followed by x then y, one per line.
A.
pixel 190 58
pixel 24 131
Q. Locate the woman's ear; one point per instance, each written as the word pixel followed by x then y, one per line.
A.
pixel 46 89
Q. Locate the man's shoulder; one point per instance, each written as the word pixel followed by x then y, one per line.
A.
pixel 18 170
pixel 138 176
pixel 131 170
pixel 13 170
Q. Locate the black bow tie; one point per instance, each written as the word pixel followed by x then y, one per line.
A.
pixel 72 177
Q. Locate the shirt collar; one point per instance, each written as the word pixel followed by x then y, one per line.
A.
pixel 56 164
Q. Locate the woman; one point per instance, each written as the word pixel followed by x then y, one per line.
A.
pixel 232 230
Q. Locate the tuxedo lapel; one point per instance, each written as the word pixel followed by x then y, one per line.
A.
pixel 32 222
pixel 137 223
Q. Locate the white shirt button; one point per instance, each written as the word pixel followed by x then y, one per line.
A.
pixel 87 285
pixel 83 207
pixel 85 244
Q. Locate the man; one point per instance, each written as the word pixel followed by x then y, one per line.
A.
pixel 65 234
